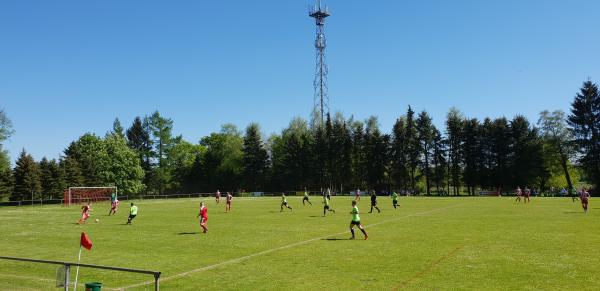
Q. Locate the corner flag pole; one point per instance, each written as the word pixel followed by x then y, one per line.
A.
pixel 77 272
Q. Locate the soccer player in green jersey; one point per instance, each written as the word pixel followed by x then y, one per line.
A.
pixel 395 199
pixel 356 221
pixel 305 197
pixel 284 202
pixel 326 207
pixel 133 211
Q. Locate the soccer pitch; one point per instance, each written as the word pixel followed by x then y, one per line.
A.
pixel 428 243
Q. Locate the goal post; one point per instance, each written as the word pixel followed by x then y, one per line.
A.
pixel 77 195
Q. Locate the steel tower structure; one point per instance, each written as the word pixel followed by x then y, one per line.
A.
pixel 321 99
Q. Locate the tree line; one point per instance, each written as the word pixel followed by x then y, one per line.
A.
pixel 465 156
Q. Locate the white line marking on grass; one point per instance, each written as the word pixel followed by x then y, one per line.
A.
pixel 239 259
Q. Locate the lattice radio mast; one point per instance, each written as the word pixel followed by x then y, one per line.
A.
pixel 321 99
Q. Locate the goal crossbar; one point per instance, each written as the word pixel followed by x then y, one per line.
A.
pixel 70 197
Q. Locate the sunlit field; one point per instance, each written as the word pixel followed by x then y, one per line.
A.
pixel 427 243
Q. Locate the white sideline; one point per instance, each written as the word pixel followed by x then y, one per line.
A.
pixel 239 259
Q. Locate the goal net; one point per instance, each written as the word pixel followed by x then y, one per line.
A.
pixel 77 195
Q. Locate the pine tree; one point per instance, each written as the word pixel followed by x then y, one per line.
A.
pixel 26 179
pixel 71 171
pixel 471 153
pixel 117 128
pixel 255 159
pixel 425 142
pixel 138 138
pixel 585 123
pixel 439 160
pixel 399 162
pixel 161 130
pixel 412 147
pixel 454 133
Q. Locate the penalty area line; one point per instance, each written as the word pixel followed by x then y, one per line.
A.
pixel 243 258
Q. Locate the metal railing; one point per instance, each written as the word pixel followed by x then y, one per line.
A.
pixel 67 266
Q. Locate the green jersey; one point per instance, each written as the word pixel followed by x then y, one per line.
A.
pixel 394 196
pixel 355 216
pixel 133 210
pixel 113 197
pixel 283 199
pixel 325 200
pixel 305 194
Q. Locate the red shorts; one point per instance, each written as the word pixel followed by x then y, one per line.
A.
pixel 203 220
pixel 85 216
pixel 584 200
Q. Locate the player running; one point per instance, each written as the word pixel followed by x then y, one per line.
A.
pixel 394 199
pixel 328 193
pixel 519 194
pixel 203 214
pixel 374 202
pixel 228 200
pixel 326 206
pixel 284 202
pixel 356 221
pixel 357 196
pixel 585 196
pixel 133 211
pixel 305 199
pixel 85 213
pixel 218 196
pixel 526 195
pixel 114 204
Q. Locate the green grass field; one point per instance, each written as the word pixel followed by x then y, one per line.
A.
pixel 428 244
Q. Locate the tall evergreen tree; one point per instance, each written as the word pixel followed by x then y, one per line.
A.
pixel 27 179
pixel 118 128
pixel 51 179
pixel 398 154
pixel 501 154
pixel 471 153
pixel 358 154
pixel 412 147
pixel 454 134
pixel 425 138
pixel 255 159
pixel 585 123
pixel 439 160
pixel 161 129
pixel 71 171
pixel 376 153
pixel 138 138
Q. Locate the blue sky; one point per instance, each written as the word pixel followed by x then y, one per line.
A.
pixel 70 67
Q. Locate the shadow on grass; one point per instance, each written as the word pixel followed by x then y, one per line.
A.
pixel 185 233
pixel 335 239
pixel 316 216
pixel 572 212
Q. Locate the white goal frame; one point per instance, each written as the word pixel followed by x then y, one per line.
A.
pixel 69 198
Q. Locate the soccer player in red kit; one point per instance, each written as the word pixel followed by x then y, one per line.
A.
pixel 228 202
pixel 203 214
pixel 85 212
pixel 585 196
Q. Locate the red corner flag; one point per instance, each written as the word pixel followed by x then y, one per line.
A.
pixel 85 241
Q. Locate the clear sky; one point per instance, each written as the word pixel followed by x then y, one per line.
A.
pixel 70 67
